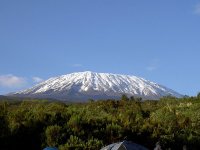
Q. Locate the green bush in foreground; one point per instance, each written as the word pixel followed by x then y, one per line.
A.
pixel 36 124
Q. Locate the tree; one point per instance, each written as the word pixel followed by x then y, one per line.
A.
pixel 91 100
pixel 132 98
pixel 53 135
pixel 198 95
pixel 124 98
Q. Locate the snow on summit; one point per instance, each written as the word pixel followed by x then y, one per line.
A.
pixel 81 86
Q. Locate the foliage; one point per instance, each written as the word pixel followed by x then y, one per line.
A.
pixel 198 95
pixel 124 98
pixel 53 135
pixel 36 124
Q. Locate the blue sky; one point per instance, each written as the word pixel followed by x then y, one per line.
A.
pixel 157 40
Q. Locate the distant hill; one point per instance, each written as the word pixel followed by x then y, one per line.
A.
pixel 1 96
pixel 10 98
pixel 82 86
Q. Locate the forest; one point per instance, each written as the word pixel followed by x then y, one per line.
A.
pixel 36 124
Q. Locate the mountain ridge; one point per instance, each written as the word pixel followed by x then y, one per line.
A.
pixel 91 85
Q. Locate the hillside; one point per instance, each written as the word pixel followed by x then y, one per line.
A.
pixel 82 86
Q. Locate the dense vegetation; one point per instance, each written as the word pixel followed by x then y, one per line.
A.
pixel 36 124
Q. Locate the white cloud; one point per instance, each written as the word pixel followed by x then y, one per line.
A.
pixel 12 81
pixel 151 68
pixel 77 65
pixel 153 65
pixel 197 9
pixel 37 79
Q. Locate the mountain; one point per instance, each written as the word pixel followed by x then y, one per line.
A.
pixel 82 86
pixel 2 96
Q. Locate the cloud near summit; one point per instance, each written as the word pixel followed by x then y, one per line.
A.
pixel 153 65
pixel 37 79
pixel 12 81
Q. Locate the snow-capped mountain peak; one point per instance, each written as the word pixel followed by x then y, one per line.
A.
pixel 85 85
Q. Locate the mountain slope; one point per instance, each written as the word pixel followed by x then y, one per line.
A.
pixel 84 85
